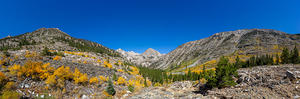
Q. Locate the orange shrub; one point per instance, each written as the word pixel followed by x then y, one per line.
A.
pixel 63 73
pixel 3 78
pixel 29 54
pixel 51 80
pixel 103 79
pixel 107 64
pixel 79 77
pixel 121 81
pixel 57 58
pixel 10 86
pixel 15 70
pixel 120 70
pixel 94 80
pixel 134 70
pixel 148 82
pixel 82 79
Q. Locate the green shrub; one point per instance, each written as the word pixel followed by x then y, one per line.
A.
pixel 131 88
pixel 110 89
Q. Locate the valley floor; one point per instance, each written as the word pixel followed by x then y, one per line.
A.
pixel 261 82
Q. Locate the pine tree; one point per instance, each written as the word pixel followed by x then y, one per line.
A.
pixel 145 83
pixel 115 78
pixel 285 56
pixel 110 89
pixel 295 56
pixel 224 73
pixel 46 52
pixel 204 74
pixel 237 62
pixel 188 75
pixel 277 59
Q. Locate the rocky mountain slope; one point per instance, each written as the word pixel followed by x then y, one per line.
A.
pixel 76 68
pixel 239 42
pixel 54 39
pixel 144 59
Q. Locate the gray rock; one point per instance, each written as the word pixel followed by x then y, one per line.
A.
pixel 290 75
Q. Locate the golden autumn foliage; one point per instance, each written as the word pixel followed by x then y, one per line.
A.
pixel 275 47
pixel 15 70
pixel 79 77
pixel 107 64
pixel 32 69
pixel 51 80
pixel 157 84
pixel 2 61
pixel 106 94
pixel 137 82
pixel 203 80
pixel 85 62
pixel 103 79
pixel 46 71
pixel 3 78
pixel 130 82
pixel 93 80
pixel 29 54
pixel 8 94
pixel 63 73
pixel 10 86
pixel 82 79
pixel 148 82
pixel 134 70
pixel 98 60
pixel 74 53
pixel 57 58
pixel 77 73
pixel 35 70
pixel 121 81
pixel 120 70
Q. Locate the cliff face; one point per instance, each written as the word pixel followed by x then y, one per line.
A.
pixel 245 42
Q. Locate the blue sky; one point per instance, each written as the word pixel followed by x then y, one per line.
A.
pixel 140 24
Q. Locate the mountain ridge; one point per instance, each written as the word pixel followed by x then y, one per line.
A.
pixel 54 39
pixel 225 43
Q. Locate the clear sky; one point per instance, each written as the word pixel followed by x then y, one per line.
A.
pixel 140 24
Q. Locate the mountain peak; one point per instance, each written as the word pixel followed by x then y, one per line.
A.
pixel 151 52
pixel 50 31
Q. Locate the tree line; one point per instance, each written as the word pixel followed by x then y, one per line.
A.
pixel 224 74
pixel 286 57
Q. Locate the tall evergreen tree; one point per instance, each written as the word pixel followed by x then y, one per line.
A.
pixel 277 59
pixel 224 73
pixel 285 56
pixel 110 88
pixel 295 56
pixel 237 62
